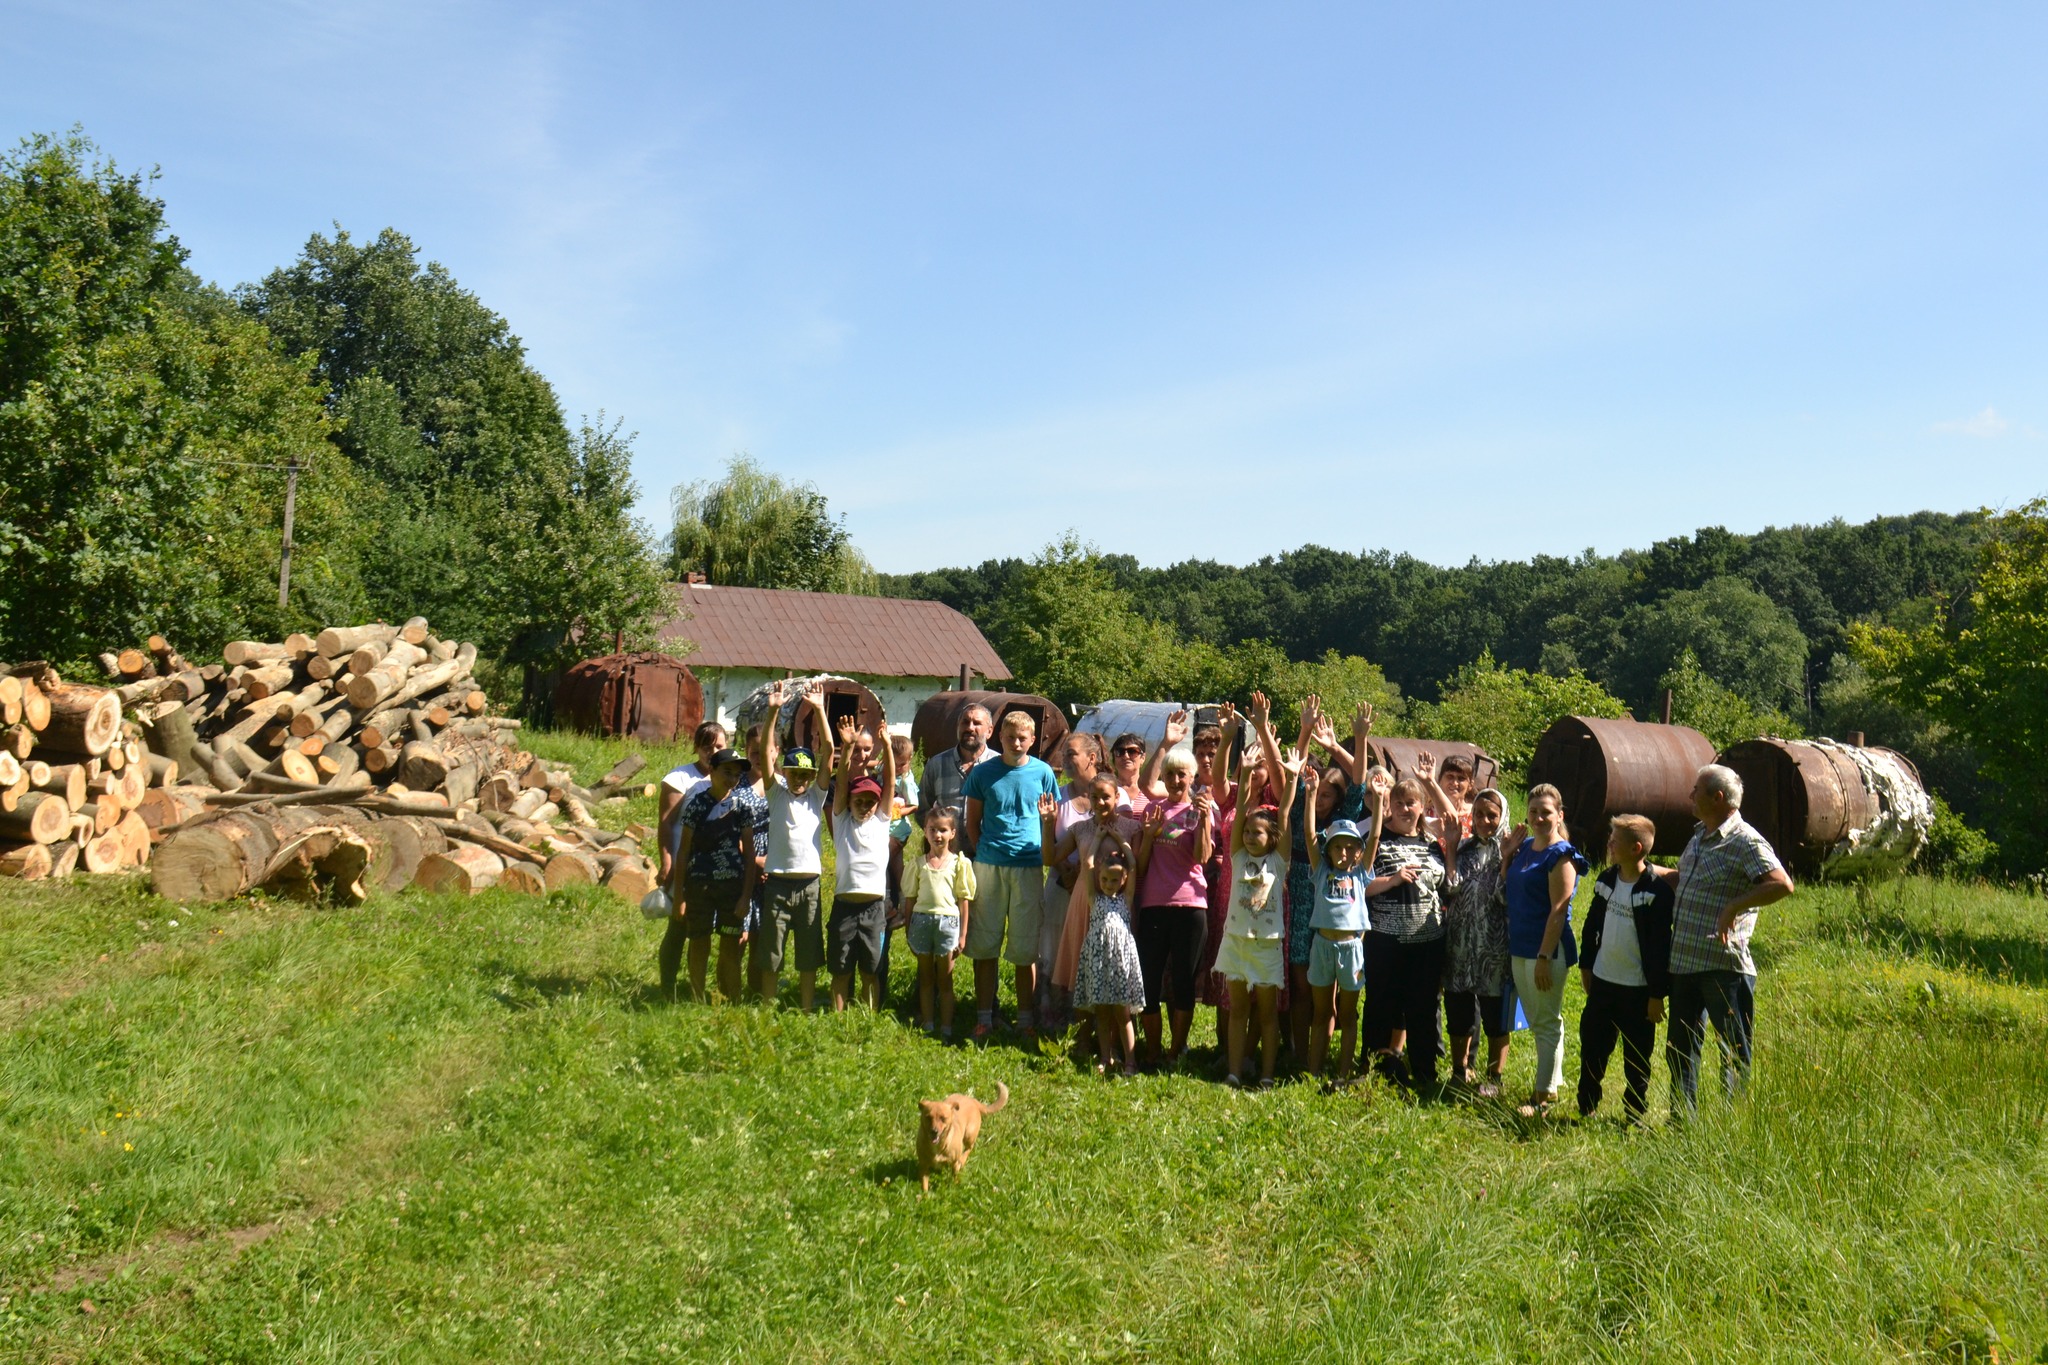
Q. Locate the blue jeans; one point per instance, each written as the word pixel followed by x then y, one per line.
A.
pixel 1728 1001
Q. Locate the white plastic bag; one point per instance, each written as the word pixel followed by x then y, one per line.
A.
pixel 657 905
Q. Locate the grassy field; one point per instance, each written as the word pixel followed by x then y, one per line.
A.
pixel 437 1129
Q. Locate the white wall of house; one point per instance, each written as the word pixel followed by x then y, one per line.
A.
pixel 726 688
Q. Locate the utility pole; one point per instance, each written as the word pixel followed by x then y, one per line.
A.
pixel 284 568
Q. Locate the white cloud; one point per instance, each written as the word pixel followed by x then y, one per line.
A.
pixel 1986 424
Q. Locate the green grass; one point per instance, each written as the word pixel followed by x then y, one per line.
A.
pixel 436 1129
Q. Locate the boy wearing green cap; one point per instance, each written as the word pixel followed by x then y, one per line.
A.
pixel 791 908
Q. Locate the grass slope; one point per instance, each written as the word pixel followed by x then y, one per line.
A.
pixel 437 1129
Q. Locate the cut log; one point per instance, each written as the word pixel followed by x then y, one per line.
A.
pixel 29 862
pixel 382 760
pixel 460 783
pixel 307 698
pixel 38 818
pixel 399 844
pixel 338 762
pixel 63 859
pixel 18 739
pixel 163 772
pixel 171 734
pixel 163 807
pixel 35 706
pixel 126 786
pixel 258 715
pixel 369 656
pixel 388 729
pixel 464 869
pixel 103 854
pixel 622 773
pixel 327 862
pixel 439 650
pixel 422 767
pixel 414 631
pixel 134 835
pixel 104 813
pixel 337 641
pixel 239 652
pixel 632 878
pixel 268 681
pixel 572 869
pixel 339 719
pixel 87 719
pixel 321 668
pixel 528 802
pixel 133 663
pixel 11 770
pixel 523 878
pixel 296 766
pixel 298 646
pixel 381 684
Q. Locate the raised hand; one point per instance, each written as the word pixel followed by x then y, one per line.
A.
pixel 1048 807
pixel 1292 758
pixel 845 730
pixel 1311 707
pixel 1226 718
pixel 1425 765
pixel 1379 782
pixel 814 693
pixel 1325 733
pixel 1176 728
pixel 1203 805
pixel 1361 719
pixel 1311 778
pixel 1260 710
pixel 778 692
pixel 1155 819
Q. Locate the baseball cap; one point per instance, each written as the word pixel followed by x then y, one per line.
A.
pixel 725 756
pixel 1342 829
pixel 800 760
pixel 865 786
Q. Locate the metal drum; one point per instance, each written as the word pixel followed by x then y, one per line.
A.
pixel 1833 810
pixel 1397 755
pixel 1607 768
pixel 795 724
pixel 648 696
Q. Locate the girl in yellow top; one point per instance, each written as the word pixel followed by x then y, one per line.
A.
pixel 940 893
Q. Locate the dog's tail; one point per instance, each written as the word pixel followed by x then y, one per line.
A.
pixel 1002 1098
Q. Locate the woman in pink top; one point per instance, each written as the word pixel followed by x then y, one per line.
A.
pixel 1177 839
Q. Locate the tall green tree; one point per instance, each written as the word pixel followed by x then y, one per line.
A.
pixel 489 516
pixel 1740 638
pixel 755 529
pixel 1506 710
pixel 142 425
pixel 1984 671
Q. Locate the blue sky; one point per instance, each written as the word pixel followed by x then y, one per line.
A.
pixel 1192 279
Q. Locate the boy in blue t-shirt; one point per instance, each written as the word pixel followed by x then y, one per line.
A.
pixel 1341 865
pixel 1009 870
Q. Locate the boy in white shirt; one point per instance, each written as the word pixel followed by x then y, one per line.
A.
pixel 860 842
pixel 792 908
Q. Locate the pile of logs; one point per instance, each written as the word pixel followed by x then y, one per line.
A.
pixel 328 765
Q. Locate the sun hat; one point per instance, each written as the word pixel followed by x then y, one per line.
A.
pixel 1342 829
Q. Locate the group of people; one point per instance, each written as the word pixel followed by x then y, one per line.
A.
pixel 1316 900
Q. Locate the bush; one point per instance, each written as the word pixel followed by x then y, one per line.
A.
pixel 1505 710
pixel 1715 711
pixel 1956 849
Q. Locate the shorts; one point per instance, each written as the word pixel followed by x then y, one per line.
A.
pixel 1465 1012
pixel 1254 961
pixel 790 913
pixel 1338 962
pixel 934 935
pixel 713 903
pixel 854 936
pixel 1005 897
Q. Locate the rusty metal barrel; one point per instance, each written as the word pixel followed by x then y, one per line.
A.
pixel 1397 755
pixel 1608 767
pixel 1833 810
pixel 937 724
pixel 796 724
pixel 645 696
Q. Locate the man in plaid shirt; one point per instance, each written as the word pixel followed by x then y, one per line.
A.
pixel 1727 873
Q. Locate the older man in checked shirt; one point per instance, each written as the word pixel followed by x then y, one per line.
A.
pixel 1727 873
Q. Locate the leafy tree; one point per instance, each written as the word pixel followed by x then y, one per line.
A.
pixel 142 423
pixel 1342 681
pixel 489 517
pixel 1505 710
pixel 1984 671
pixel 755 529
pixel 1715 711
pixel 1739 637
pixel 1070 634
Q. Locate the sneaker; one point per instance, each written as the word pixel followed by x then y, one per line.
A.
pixel 1233 1082
pixel 1265 1082
pixel 1489 1089
pixel 982 1033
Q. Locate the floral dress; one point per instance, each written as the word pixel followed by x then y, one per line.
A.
pixel 1476 922
pixel 1109 973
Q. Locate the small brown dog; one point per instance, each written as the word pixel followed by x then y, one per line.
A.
pixel 948 1129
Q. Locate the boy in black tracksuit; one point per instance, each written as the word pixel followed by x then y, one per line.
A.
pixel 1625 963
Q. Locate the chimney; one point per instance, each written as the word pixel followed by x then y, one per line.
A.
pixel 693 578
pixel 1667 706
pixel 966 676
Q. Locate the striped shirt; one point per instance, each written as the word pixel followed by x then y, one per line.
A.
pixel 1717 866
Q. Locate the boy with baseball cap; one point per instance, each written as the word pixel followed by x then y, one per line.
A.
pixel 792 909
pixel 860 841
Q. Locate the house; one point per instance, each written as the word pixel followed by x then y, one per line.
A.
pixel 900 649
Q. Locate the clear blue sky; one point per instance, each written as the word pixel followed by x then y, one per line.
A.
pixel 1192 279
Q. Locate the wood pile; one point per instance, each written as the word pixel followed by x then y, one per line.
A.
pixel 318 766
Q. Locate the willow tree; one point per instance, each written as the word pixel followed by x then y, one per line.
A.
pixel 755 529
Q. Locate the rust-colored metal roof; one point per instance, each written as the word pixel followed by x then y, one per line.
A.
pixel 826 632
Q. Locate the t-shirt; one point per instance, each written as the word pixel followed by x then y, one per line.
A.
pixel 1009 809
pixel 1411 911
pixel 905 812
pixel 721 832
pixel 1255 884
pixel 796 822
pixel 685 781
pixel 1172 876
pixel 1074 813
pixel 1621 948
pixel 1527 887
pixel 939 890
pixel 862 851
pixel 1340 900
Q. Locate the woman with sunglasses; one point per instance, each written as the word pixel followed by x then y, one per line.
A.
pixel 1127 762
